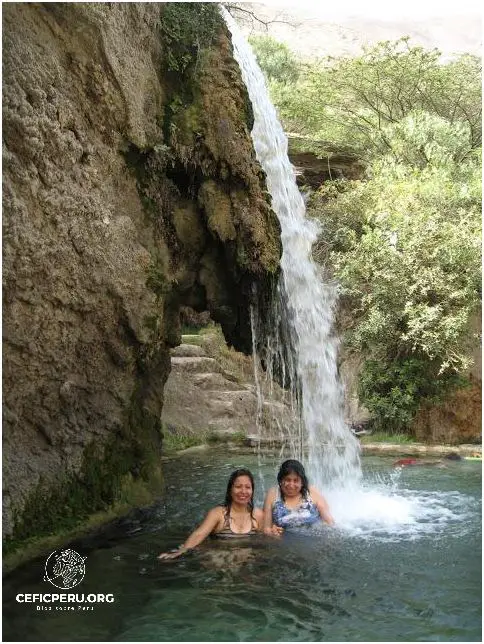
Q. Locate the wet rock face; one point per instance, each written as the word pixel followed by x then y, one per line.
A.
pixel 453 421
pixel 117 210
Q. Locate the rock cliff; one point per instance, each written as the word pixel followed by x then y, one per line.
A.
pixel 131 188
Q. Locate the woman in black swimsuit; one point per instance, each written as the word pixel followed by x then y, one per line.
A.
pixel 236 518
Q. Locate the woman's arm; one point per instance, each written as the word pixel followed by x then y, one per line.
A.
pixel 270 529
pixel 258 515
pixel 207 526
pixel 322 505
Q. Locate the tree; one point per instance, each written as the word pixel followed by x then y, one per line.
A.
pixel 405 248
pixel 355 100
pixel 275 59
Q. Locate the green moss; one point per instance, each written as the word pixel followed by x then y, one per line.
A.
pixel 152 322
pixel 218 209
pixel 135 493
pixel 237 438
pixel 386 437
pixel 157 280
pixel 187 123
pixel 243 259
pixel 189 32
pixel 189 228
pixel 124 471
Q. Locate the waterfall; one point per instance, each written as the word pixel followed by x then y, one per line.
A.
pixel 302 346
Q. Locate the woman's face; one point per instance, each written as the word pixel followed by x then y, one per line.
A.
pixel 291 485
pixel 241 490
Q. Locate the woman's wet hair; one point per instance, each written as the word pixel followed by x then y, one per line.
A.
pixel 228 494
pixel 292 466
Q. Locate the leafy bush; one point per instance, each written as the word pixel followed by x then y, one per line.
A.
pixel 393 391
pixel 187 28
pixel 405 248
pixel 354 100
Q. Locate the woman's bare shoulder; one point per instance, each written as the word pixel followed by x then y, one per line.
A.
pixel 216 517
pixel 218 512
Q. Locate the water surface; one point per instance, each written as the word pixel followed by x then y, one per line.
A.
pixel 403 565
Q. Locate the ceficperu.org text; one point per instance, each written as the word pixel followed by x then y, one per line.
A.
pixel 69 598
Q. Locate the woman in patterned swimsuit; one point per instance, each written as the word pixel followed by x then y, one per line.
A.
pixel 294 502
pixel 236 518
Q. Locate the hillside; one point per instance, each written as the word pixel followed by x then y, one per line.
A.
pixel 306 29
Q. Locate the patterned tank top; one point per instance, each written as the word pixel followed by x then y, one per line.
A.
pixel 306 513
pixel 227 533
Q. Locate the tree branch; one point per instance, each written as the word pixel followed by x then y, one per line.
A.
pixel 237 7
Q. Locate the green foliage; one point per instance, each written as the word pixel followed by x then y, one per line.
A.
pixel 275 59
pixel 409 260
pixel 355 100
pixel 179 438
pixel 187 28
pixel 405 248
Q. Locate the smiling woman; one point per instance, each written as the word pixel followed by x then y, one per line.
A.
pixel 236 518
pixel 294 503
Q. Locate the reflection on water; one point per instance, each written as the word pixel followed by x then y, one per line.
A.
pixel 376 577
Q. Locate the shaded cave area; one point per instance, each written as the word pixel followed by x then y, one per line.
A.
pixel 199 256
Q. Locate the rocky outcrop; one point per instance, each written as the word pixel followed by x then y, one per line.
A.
pixel 202 397
pixel 213 398
pixel 131 188
pixel 349 369
pixel 458 419
pixel 318 161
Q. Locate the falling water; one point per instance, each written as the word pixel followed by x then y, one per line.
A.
pixel 302 346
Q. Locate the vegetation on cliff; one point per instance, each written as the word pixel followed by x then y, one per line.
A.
pixel 404 244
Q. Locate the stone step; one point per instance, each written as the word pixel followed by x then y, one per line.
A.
pixel 188 351
pixel 215 382
pixel 195 365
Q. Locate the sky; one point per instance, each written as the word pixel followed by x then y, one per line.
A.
pixel 379 9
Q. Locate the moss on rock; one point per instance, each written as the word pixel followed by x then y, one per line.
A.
pixel 218 209
pixel 119 473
